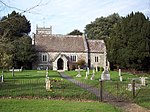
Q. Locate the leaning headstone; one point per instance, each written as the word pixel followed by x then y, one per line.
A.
pixel 105 74
pixel 78 75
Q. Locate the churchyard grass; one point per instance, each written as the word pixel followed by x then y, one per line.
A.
pixel 45 105
pixel 117 88
pixel 31 83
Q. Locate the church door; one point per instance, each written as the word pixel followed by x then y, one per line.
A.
pixel 60 64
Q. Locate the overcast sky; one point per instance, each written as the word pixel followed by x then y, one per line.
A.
pixel 66 15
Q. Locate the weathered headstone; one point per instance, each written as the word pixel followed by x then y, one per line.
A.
pixel 96 68
pixel 86 75
pixel 48 84
pixel 88 71
pixel 105 74
pixel 120 78
pixel 47 72
pixel 92 78
pixel 119 72
pixel 143 81
pixel 78 75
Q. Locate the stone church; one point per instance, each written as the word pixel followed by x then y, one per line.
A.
pixel 59 52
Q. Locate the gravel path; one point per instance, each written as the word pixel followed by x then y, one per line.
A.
pixel 126 106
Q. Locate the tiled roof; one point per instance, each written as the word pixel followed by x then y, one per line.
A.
pixel 59 43
pixel 96 45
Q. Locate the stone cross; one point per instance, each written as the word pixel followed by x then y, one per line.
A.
pixel 78 75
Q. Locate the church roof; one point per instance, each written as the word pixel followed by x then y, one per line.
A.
pixel 96 46
pixel 59 43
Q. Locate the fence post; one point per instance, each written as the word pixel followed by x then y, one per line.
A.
pixel 101 90
pixel 13 72
pixel 133 88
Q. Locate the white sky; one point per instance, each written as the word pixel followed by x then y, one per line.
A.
pixel 67 15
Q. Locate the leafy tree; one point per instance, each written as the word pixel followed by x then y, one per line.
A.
pixel 102 27
pixel 14 30
pixel 129 45
pixel 75 32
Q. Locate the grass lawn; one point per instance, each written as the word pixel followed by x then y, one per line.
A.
pixel 116 87
pixel 44 105
pixel 31 83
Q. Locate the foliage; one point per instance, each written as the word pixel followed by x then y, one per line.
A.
pixel 102 27
pixel 129 45
pixel 14 30
pixel 75 32
pixel 81 63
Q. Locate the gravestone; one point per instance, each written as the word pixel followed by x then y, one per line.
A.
pixel 47 72
pixel 96 68
pixel 78 75
pixel 143 81
pixel 13 72
pixel 86 75
pixel 92 78
pixel 120 76
pixel 48 84
pixel 88 71
pixel 105 74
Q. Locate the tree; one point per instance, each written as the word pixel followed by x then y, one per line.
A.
pixel 75 32
pixel 102 27
pixel 14 30
pixel 129 43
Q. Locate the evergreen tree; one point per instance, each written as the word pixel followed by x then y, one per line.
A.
pixel 14 30
pixel 129 45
